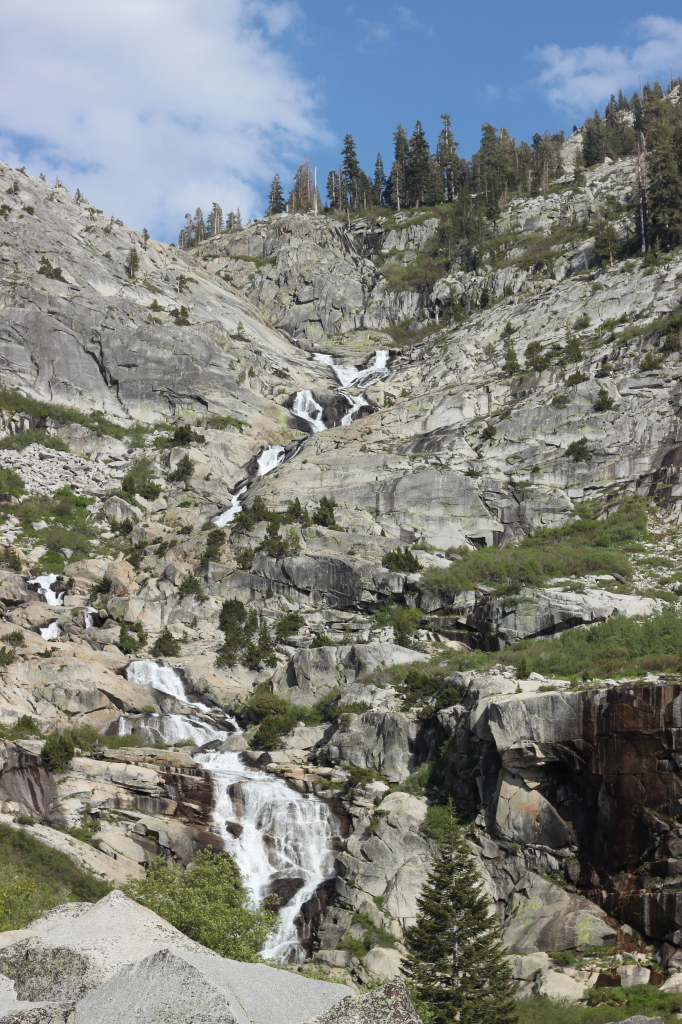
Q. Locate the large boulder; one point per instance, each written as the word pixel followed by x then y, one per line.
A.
pixel 389 1004
pixel 119 962
pixel 545 917
pixel 384 742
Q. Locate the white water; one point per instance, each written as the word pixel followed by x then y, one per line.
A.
pixel 270 458
pixel 284 835
pixel 44 585
pixel 160 677
pixel 353 376
pixel 51 632
pixel 169 729
pixel 230 513
pixel 90 614
pixel 306 408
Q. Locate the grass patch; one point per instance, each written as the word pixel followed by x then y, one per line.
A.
pixel 640 999
pixel 34 878
pixel 13 401
pixel 17 442
pixel 587 544
pixel 422 273
pixel 68 524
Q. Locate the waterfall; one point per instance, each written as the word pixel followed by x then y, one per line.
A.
pixel 169 729
pixel 89 615
pixel 230 513
pixel 43 585
pixel 280 839
pixel 160 677
pixel 307 409
pixel 270 458
pixel 50 632
pixel 353 376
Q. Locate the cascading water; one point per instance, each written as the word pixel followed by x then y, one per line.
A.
pixel 308 410
pixel 51 632
pixel 43 584
pixel 169 729
pixel 160 677
pixel 281 840
pixel 233 511
pixel 270 458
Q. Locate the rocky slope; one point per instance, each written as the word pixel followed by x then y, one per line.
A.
pixel 572 794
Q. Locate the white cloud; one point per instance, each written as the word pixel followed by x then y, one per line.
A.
pixel 582 77
pixel 153 106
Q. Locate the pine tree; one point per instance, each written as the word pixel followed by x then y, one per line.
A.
pixel 418 174
pixel 199 226
pixel 593 140
pixel 398 169
pixel 379 183
pixel 215 220
pixel 664 198
pixel 276 202
pixel 455 959
pixel 133 261
pixel 351 172
pixel 448 160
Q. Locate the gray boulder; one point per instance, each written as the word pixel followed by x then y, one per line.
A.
pixel 384 742
pixel 389 1004
pixel 547 917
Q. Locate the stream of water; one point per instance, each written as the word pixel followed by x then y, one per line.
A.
pixel 280 839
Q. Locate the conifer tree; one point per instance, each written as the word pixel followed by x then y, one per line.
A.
pixel 133 261
pixel 593 140
pixel 215 219
pixel 276 202
pixel 398 169
pixel 448 160
pixel 455 959
pixel 379 183
pixel 664 180
pixel 199 226
pixel 418 175
pixel 351 172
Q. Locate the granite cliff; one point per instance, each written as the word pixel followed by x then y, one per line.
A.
pixel 204 407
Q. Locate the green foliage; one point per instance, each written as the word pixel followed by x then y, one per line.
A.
pixel 132 739
pixel 428 686
pixel 615 648
pixel 241 628
pixel 11 483
pixel 34 878
pixel 16 638
pixel 214 545
pixel 455 958
pixel 139 480
pixel 165 645
pixel 535 358
pixel 296 513
pixel 14 401
pixel 651 362
pixel 401 560
pixel 489 432
pixel 288 625
pixel 7 656
pixel 191 587
pixel 57 752
pixel 603 401
pixel 405 622
pixel 132 639
pixel 578 451
pixel 183 471
pixel 47 270
pixel 11 559
pixel 324 514
pixel 17 442
pixel 216 422
pixel 322 640
pixel 585 545
pixel 618 1004
pixel 582 322
pixel 207 902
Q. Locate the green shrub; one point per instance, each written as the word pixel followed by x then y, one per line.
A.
pixel 582 322
pixel 578 451
pixel 57 752
pixel 288 625
pixel 34 878
pixel 165 645
pixel 296 513
pixel 133 739
pixel 207 902
pixel 324 514
pixel 183 471
pixel 7 656
pixel 14 401
pixel 139 480
pixel 132 639
pixel 191 587
pixel 184 436
pixel 16 638
pixel 322 640
pixel 401 560
pixel 216 422
pixel 11 483
pixel 17 442
pixel 603 403
pixel 427 685
pixel 584 545
pixel 214 545
pixel 651 362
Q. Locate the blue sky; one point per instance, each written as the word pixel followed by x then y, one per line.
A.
pixel 153 107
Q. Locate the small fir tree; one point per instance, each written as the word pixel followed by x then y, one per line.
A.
pixel 276 202
pixel 133 261
pixel 455 958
